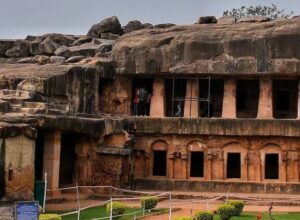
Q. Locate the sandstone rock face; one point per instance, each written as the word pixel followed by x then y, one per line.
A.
pixel 19 156
pixel 227 20
pixel 256 18
pixel 132 26
pixel 207 20
pixel 243 48
pixel 108 25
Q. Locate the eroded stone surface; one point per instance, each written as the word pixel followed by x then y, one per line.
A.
pixel 214 49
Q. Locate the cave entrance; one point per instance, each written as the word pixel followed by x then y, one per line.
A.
pixel 285 98
pixel 159 163
pixel 211 97
pixel 247 96
pixel 197 164
pixel 67 159
pixel 272 166
pixel 141 103
pixel 39 155
pixel 233 165
pixel 175 91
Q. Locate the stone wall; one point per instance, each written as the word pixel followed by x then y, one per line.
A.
pixel 115 96
pixel 215 148
pixel 19 167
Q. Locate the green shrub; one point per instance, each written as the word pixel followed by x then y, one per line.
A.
pixel 204 215
pixel 118 208
pixel 149 202
pixel 182 218
pixel 226 211
pixel 49 217
pixel 238 206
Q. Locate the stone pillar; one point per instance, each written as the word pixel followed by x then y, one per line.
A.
pixel 170 165
pixel 52 147
pixel 244 170
pixel 157 107
pixel 208 171
pixel 148 167
pixel 229 99
pixel 298 99
pixel 265 103
pixel 191 107
pixel 283 167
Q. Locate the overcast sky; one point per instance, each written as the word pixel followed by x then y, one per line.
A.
pixel 19 18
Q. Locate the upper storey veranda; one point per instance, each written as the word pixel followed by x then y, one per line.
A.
pixel 240 48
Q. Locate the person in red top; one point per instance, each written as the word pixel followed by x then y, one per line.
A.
pixel 136 102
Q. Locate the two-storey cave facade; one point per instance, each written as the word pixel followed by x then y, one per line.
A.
pixel 196 108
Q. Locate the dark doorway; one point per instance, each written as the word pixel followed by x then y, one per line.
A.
pixel 2 173
pixel 285 98
pixel 175 105
pixel 197 164
pixel 272 166
pixel 144 97
pixel 159 163
pixel 247 96
pixel 234 165
pixel 212 90
pixel 67 159
pixel 39 155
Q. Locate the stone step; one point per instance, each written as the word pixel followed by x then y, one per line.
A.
pixel 6 93
pixel 32 111
pixel 39 105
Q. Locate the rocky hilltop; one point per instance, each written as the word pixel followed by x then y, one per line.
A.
pixel 56 69
pixel 242 47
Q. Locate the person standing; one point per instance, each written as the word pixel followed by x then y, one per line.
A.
pixel 142 101
pixel 136 102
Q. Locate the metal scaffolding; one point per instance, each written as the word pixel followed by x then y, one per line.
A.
pixel 190 98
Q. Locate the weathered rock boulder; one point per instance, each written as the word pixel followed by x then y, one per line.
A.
pixel 75 59
pixel 132 26
pixel 82 40
pixel 57 59
pixel 20 49
pixel 165 25
pixel 109 36
pixel 48 43
pixel 86 50
pixel 26 60
pixel 227 20
pixel 108 25
pixel 147 26
pixel 4 46
pixel 252 48
pixel 207 20
pixel 41 59
pixel 256 18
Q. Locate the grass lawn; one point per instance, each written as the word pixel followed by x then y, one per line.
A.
pixel 265 216
pixel 99 212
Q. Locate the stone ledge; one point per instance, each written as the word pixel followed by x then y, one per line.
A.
pixel 217 186
pixel 113 151
pixel 12 130
pixel 227 127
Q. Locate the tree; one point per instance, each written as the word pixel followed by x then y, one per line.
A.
pixel 269 11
